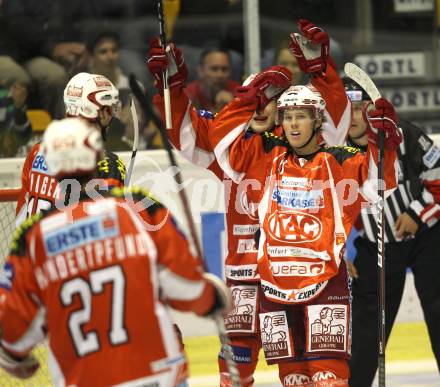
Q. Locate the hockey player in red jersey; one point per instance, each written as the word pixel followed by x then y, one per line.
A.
pixel 96 283
pixel 309 201
pixel 94 98
pixel 189 134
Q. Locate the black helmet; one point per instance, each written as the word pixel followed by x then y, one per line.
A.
pixel 354 92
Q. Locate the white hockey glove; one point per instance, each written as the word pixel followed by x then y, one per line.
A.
pixel 20 368
pixel 223 302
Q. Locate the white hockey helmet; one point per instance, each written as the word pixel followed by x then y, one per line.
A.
pixel 86 94
pixel 72 147
pixel 301 97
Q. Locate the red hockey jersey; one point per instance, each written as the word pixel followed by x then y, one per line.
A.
pixel 306 207
pixel 39 188
pixel 190 135
pixel 97 282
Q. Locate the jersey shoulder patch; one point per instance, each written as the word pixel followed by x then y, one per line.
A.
pixel 342 153
pixel 271 140
pixel 18 244
pixel 111 168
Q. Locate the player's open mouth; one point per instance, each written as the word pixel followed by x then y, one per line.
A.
pixel 260 118
pixel 295 134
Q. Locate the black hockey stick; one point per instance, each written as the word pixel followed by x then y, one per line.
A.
pixel 135 143
pixel 223 335
pixel 218 318
pixel 363 80
pixel 163 42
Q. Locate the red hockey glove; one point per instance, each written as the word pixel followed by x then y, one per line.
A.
pixel 311 48
pixel 383 117
pixel 160 59
pixel 20 368
pixel 265 86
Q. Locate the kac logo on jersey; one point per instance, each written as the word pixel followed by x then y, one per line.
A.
pixel 294 227
pixel 323 375
pixel 39 164
pixel 7 274
pixel 295 380
pixel 93 229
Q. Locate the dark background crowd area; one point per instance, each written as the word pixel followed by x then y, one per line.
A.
pixel 32 29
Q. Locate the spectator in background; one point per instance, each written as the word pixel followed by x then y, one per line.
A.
pixel 214 88
pixel 46 45
pixel 284 57
pixel 15 128
pixel 103 59
pixel 103 49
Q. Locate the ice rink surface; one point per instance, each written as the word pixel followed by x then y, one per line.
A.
pixel 270 379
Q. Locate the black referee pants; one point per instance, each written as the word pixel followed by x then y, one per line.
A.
pixel 422 255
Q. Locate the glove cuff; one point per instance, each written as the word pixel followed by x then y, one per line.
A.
pixel 20 368
pixel 223 298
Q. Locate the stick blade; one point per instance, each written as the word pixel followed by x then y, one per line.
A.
pixel 362 79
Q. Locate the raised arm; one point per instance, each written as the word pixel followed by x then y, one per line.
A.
pixel 190 128
pixel 314 59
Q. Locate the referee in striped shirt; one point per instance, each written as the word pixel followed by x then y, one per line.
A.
pixel 412 234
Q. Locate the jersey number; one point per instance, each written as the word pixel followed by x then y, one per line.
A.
pixel 86 343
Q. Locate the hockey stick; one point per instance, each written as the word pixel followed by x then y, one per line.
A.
pixel 224 339
pixel 363 80
pixel 135 142
pixel 163 41
pixel 218 318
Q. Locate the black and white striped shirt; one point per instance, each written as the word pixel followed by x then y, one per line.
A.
pixel 415 153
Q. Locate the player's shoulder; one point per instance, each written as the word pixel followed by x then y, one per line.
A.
pixel 137 195
pixel 33 151
pixel 342 153
pixel 414 136
pixel 113 158
pixel 112 168
pixel 18 244
pixel 272 139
